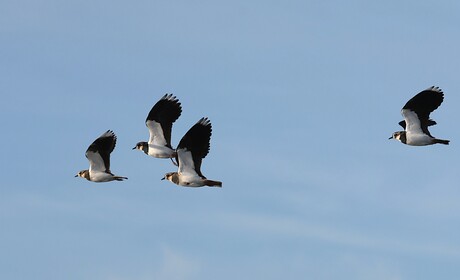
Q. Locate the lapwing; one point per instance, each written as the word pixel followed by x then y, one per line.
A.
pixel 416 121
pixel 192 148
pixel 159 122
pixel 98 155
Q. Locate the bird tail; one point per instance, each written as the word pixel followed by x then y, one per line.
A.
pixel 211 183
pixel 120 178
pixel 440 141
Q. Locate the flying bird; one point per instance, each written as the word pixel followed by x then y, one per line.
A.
pixel 159 122
pixel 192 148
pixel 98 155
pixel 416 121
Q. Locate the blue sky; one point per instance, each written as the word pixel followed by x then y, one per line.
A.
pixel 302 95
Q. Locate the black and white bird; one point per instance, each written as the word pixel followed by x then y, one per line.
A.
pixel 416 121
pixel 98 155
pixel 159 122
pixel 192 148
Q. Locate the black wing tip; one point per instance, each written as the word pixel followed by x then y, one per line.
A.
pixel 198 136
pixel 205 121
pixel 169 97
pixel 110 134
pixel 106 142
pixel 426 101
pixel 435 89
pixel 168 107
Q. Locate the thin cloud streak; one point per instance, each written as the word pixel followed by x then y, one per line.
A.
pixel 294 228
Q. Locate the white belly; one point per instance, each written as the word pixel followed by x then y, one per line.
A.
pixel 416 139
pixel 189 180
pixel 98 176
pixel 160 151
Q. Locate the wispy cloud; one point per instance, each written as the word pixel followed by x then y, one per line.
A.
pixel 177 266
pixel 172 265
pixel 293 228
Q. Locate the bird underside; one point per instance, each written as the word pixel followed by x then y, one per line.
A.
pixel 423 140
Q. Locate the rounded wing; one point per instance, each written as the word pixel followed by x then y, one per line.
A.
pixel 160 119
pixel 98 153
pixel 417 110
pixel 194 146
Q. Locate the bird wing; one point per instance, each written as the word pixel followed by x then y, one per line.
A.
pixel 417 110
pixel 413 123
pixel 194 146
pixel 430 123
pixel 187 166
pixel 98 153
pixel 157 136
pixel 160 119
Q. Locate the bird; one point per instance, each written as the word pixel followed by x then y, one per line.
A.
pixel 416 121
pixel 192 148
pixel 159 122
pixel 98 155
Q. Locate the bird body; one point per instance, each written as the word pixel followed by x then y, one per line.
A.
pixel 192 148
pixel 98 155
pixel 159 122
pixel 416 121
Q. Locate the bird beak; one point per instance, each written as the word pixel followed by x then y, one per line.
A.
pixel 76 175
pixel 134 148
pixel 390 138
pixel 163 178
